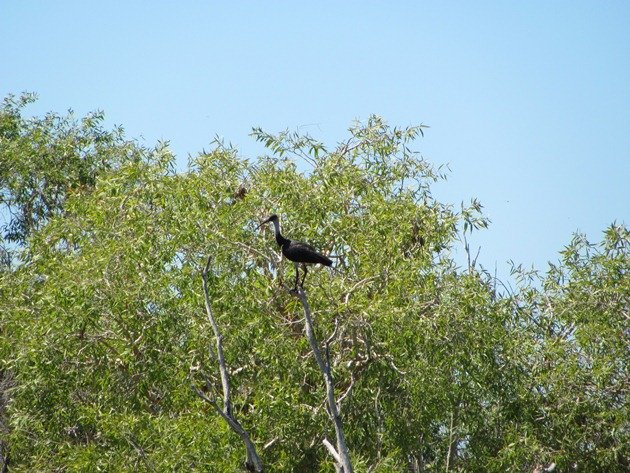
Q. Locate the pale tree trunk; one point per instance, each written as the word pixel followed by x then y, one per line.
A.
pixel 253 461
pixel 341 454
pixel 453 440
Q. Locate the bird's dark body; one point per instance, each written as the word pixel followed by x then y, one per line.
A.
pixel 297 251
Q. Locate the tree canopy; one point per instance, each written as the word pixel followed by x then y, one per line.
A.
pixel 104 335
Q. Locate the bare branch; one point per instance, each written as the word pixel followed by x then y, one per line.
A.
pixel 474 262
pixel 244 246
pixel 332 450
pixel 253 461
pixel 271 443
pixel 346 148
pixel 342 458
pixel 353 288
pixel 348 391
pixel 332 335
pixel 451 454
pixel 390 361
pixel 225 381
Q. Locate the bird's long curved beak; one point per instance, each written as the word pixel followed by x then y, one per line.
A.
pixel 263 222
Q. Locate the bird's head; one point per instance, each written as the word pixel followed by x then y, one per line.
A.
pixel 271 218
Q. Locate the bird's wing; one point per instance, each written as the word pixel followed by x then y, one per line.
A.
pixel 303 252
pixel 301 244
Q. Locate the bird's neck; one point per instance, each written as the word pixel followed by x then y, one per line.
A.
pixel 279 238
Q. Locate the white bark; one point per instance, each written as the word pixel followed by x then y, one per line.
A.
pixel 341 455
pixel 253 461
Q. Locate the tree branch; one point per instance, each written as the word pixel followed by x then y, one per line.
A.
pixel 348 391
pixel 342 458
pixel 225 381
pixel 253 461
pixel 332 450
pixel 451 454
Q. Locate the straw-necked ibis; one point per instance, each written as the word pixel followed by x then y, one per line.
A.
pixel 297 251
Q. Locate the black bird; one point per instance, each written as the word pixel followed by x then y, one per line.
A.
pixel 296 251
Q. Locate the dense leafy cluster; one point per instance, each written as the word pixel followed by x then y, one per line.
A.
pixel 43 160
pixel 104 334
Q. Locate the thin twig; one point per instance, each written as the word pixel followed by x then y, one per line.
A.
pixel 353 288
pixel 330 339
pixel 452 441
pixel 332 335
pixel 348 391
pixel 271 443
pixel 474 263
pixel 246 247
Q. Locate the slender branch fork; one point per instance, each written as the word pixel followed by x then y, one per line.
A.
pixel 341 454
pixel 253 461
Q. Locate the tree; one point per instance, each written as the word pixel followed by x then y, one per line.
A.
pixel 435 367
pixel 43 160
pixel 578 358
pixel 252 461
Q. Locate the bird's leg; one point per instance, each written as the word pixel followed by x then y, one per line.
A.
pixel 297 275
pixel 304 277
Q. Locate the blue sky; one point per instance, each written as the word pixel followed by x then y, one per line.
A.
pixel 528 102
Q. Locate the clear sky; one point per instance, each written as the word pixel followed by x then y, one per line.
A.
pixel 528 102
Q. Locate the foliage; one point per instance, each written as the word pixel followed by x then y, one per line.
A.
pixel 43 160
pixel 104 327
pixel 578 357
